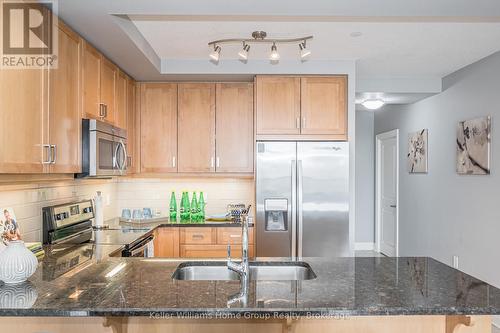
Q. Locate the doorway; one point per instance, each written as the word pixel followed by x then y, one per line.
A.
pixel 387 193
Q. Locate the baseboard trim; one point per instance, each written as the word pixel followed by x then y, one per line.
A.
pixel 360 246
pixel 495 321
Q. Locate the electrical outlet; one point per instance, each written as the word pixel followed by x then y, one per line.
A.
pixel 455 262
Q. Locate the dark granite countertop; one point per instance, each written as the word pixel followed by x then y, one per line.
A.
pixel 164 222
pixel 343 286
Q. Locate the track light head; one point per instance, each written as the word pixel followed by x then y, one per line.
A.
pixel 243 54
pixel 274 55
pixel 215 54
pixel 304 52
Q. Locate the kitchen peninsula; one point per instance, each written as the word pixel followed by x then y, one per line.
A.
pixel 139 295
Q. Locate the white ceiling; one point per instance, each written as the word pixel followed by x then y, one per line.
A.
pixel 383 49
pixel 405 49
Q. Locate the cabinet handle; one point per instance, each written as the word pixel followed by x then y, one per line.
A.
pixel 235 236
pixel 105 110
pixel 173 161
pixel 101 110
pixel 53 153
pixel 217 162
pixel 129 161
pixel 297 122
pixel 48 152
pixel 212 162
pixel 197 236
pixel 303 122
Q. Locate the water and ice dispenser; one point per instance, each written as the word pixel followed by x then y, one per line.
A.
pixel 276 214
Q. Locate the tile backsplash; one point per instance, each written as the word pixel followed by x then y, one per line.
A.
pixel 27 201
pixel 155 193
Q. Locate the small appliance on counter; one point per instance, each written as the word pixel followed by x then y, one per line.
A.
pixel 71 223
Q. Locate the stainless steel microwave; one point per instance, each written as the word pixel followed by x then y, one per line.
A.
pixel 104 149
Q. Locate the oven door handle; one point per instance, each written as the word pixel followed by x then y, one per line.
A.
pixel 133 251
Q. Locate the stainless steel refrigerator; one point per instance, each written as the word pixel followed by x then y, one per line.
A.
pixel 302 199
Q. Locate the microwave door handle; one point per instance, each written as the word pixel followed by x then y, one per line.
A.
pixel 122 166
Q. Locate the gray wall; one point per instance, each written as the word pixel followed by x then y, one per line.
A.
pixel 441 213
pixel 365 184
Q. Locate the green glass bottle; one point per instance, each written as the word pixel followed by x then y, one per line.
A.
pixel 173 208
pixel 194 208
pixel 201 207
pixel 185 211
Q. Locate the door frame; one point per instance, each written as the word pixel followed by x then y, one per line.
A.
pixel 378 181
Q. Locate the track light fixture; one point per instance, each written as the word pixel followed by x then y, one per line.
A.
pixel 259 37
pixel 274 55
pixel 304 53
pixel 243 54
pixel 215 54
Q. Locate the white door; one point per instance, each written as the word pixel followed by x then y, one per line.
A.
pixel 387 192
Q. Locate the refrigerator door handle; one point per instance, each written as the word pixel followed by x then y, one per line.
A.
pixel 294 210
pixel 299 208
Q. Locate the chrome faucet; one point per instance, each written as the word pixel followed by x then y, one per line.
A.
pixel 242 268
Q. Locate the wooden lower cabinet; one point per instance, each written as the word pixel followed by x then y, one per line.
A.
pixel 200 242
pixel 212 251
pixel 166 242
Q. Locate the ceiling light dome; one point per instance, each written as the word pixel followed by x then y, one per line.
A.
pixel 373 104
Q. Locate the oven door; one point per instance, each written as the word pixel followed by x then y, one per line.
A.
pixel 108 155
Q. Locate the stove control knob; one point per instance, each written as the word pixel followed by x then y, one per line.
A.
pixel 87 210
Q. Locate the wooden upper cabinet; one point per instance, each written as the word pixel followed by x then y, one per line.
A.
pixel 109 74
pixel 196 113
pixel 323 105
pixel 234 127
pixel 158 127
pixel 278 105
pixel 132 132
pixel 92 62
pixel 120 114
pixel 22 103
pixel 64 104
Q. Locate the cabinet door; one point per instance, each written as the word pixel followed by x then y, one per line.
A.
pixel 278 105
pixel 234 127
pixel 64 104
pixel 120 114
pixel 92 61
pixel 22 103
pixel 108 89
pixel 196 127
pixel 323 105
pixel 166 242
pixel 212 251
pixel 132 132
pixel 158 127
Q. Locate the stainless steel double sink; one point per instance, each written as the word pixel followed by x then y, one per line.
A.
pixel 269 271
